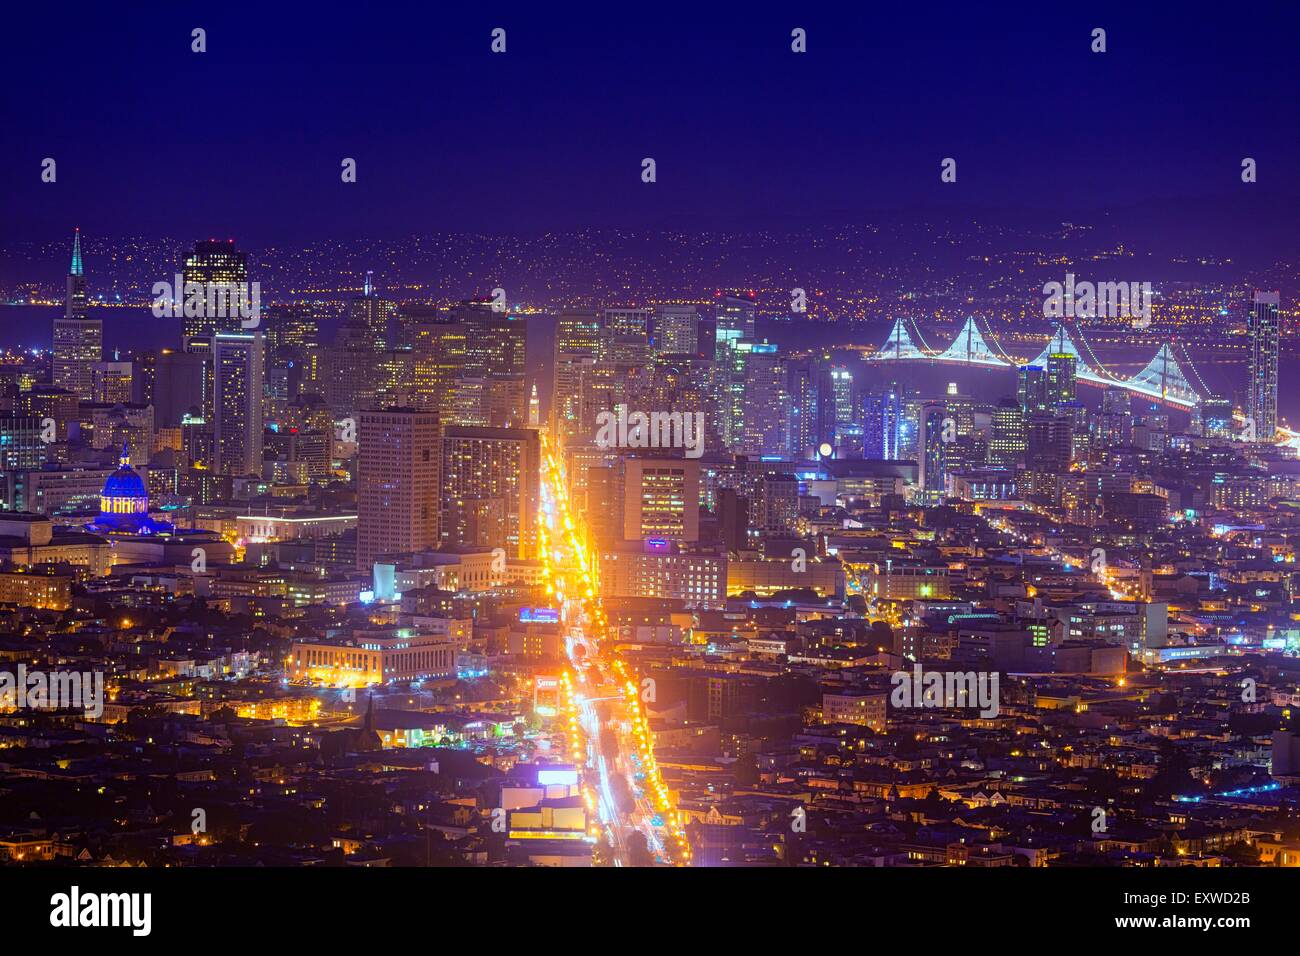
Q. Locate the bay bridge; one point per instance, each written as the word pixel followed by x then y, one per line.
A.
pixel 1164 379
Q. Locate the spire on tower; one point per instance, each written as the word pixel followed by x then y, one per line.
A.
pixel 76 269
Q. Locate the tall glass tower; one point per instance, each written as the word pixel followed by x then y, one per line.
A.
pixel 1261 398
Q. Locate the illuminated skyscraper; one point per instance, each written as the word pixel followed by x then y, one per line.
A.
pixel 439 351
pixel 1007 441
pixel 886 424
pixel 397 482
pixel 765 410
pixel 373 312
pixel 78 339
pixel 802 388
pixel 579 333
pixel 1115 423
pixel 629 323
pixel 354 373
pixel 735 314
pixel 1060 385
pixel 677 329
pixel 1261 400
pixel 214 263
pixel 490 485
pixel 934 426
pixel 1031 389
pixel 237 403
pixel 661 499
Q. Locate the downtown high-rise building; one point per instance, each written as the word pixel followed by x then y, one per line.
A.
pixel 937 429
pixel 887 424
pixel 1261 388
pixel 661 499
pixel 765 409
pixel 578 333
pixel 353 370
pixel 628 323
pixel 374 313
pixel 214 263
pixel 490 486
pixel 676 329
pixel 803 391
pixel 1007 435
pixel 1031 389
pixel 237 369
pixel 78 339
pixel 439 359
pixel 1114 424
pixel 735 315
pixel 1049 442
pixel 1062 370
pixel 398 462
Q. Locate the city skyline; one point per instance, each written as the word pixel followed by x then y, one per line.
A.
pixel 649 439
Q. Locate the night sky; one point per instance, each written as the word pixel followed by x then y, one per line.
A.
pixel 247 139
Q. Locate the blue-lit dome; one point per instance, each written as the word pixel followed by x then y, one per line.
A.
pixel 125 484
pixel 124 503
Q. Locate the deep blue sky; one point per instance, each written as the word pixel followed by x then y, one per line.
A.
pixel 246 139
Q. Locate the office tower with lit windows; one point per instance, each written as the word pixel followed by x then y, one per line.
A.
pixel 628 323
pixel 490 486
pixel 1031 389
pixel 676 329
pixel 395 376
pixel 374 312
pixel 399 455
pixel 1049 445
pixel 21 447
pixel 735 315
pixel 491 386
pixel 779 502
pixel 1062 368
pixel 111 382
pixel 661 499
pixel 578 333
pixel 213 262
pixel 935 425
pixel 1261 389
pixel 685 383
pixel 1214 416
pixel 834 400
pixel 765 410
pixel 438 350
pixel 571 370
pixel 237 402
pixel 78 339
pixel 1007 435
pixel 494 341
pixel 1114 424
pixel 353 370
pixel 886 423
pixel 801 386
